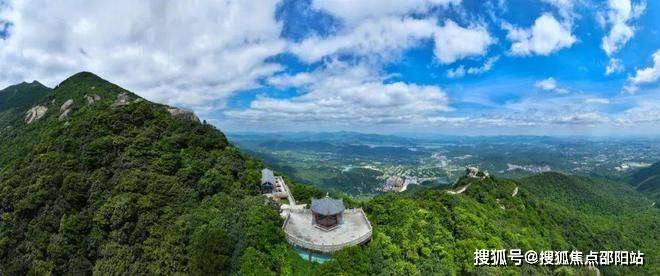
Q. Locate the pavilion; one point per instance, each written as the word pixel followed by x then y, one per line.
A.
pixel 327 212
pixel 326 227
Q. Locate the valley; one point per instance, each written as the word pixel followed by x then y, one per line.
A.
pixel 360 164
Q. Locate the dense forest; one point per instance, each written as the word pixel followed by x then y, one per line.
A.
pixel 647 181
pixel 104 182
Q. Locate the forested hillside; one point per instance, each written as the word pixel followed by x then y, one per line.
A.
pixel 120 185
pixel 95 180
pixel 432 232
pixel 647 181
pixel 20 95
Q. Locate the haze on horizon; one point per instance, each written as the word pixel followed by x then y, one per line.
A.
pixel 452 67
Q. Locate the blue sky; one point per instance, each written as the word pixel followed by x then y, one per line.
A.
pixel 546 67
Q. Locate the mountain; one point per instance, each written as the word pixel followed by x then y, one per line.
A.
pixel 14 99
pixel 20 95
pixel 96 180
pixel 647 181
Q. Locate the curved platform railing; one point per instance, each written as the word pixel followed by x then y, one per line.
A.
pixel 327 248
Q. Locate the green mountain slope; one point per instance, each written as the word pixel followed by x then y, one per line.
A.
pixel 15 99
pixel 104 182
pixel 21 95
pixel 647 181
pixel 433 232
pixel 126 189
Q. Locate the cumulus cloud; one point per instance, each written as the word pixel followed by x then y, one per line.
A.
pixel 645 76
pixel 342 92
pixel 183 53
pixel 546 36
pixel 461 71
pixel 613 66
pixel 550 84
pixel 453 42
pixel 618 18
pixel 383 29
pixel 381 37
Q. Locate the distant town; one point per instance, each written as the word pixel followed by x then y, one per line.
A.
pixel 364 165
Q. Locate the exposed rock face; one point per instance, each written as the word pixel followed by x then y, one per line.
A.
pixel 122 99
pixel 92 99
pixel 35 113
pixel 65 114
pixel 66 109
pixel 66 105
pixel 183 114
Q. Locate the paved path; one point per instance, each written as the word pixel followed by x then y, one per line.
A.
pixel 292 201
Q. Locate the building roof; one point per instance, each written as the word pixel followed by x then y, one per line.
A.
pixel 267 176
pixel 327 206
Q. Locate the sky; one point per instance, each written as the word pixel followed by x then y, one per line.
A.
pixel 459 67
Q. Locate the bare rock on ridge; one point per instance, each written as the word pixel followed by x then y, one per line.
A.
pixel 35 113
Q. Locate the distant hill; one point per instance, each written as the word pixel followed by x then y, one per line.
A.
pixel 647 181
pixel 21 95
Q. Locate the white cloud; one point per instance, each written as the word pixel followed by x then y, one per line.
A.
pixel 596 101
pixel 587 118
pixel 547 84
pixel 382 37
pixel 646 111
pixel 646 75
pixel 453 42
pixel 342 92
pixel 183 53
pixel 546 36
pixel 613 66
pixel 351 11
pixel 383 29
pixel 461 71
pixel 619 15
pixel 550 84
pixel 559 109
pixel 385 37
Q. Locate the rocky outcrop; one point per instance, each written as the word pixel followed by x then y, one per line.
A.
pixel 122 99
pixel 92 99
pixel 65 115
pixel 183 114
pixel 35 113
pixel 66 105
pixel 65 109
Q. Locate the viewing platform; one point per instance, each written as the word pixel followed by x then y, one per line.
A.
pixel 353 229
pixel 324 228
